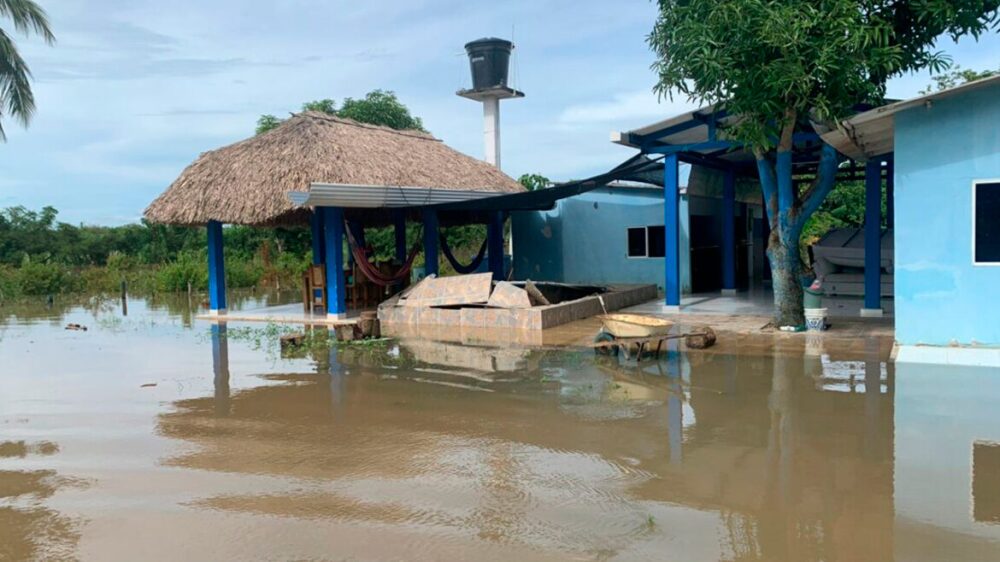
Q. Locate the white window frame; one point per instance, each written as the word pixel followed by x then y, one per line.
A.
pixel 645 228
pixel 975 184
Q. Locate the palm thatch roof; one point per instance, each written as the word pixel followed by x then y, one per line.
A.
pixel 247 182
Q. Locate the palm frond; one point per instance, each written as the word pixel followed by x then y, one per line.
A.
pixel 16 98
pixel 28 17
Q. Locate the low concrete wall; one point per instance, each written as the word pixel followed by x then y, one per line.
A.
pixel 529 319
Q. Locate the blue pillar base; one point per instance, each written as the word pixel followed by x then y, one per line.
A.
pixel 729 292
pixel 871 313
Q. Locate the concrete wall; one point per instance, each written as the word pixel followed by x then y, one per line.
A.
pixel 941 297
pixel 584 239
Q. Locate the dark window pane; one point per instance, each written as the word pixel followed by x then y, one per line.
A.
pixel 987 234
pixel 657 242
pixel 637 242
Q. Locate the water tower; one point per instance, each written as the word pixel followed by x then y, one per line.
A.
pixel 489 60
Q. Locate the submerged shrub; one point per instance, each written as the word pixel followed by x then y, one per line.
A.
pixel 42 278
pixel 243 273
pixel 189 268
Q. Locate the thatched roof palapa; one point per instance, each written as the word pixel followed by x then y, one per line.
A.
pixel 247 182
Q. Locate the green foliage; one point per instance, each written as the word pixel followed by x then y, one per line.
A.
pixel 188 269
pixel 956 77
pixel 774 62
pixel 267 122
pixel 378 107
pixel 16 97
pixel 45 278
pixel 531 182
pixel 323 106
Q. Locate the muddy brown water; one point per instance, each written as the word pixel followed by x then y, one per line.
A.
pixel 156 437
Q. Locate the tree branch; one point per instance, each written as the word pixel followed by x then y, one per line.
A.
pixel 826 176
pixel 765 169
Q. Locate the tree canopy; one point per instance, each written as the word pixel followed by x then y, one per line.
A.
pixel 378 107
pixel 774 62
pixel 16 98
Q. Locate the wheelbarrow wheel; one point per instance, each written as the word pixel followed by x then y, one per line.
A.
pixel 609 350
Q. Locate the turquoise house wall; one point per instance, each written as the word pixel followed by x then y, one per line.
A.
pixel 940 296
pixel 583 239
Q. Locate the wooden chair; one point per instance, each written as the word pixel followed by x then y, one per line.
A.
pixel 314 288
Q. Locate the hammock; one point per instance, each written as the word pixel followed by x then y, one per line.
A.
pixel 369 270
pixel 459 268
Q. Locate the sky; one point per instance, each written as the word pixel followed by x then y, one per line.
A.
pixel 134 90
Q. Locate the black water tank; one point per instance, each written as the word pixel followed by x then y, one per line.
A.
pixel 488 59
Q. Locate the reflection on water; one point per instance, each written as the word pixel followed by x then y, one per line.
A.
pixel 426 450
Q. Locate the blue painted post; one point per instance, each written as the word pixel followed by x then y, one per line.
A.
pixel 333 219
pixel 729 233
pixel 494 245
pixel 671 230
pixel 318 237
pixel 399 225
pixel 873 238
pixel 430 242
pixel 890 194
pixel 216 269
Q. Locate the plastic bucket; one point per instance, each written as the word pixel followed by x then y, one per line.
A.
pixel 816 319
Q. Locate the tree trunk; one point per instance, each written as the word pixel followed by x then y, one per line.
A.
pixel 786 280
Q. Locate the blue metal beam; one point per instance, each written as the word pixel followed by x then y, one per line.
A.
pixel 873 235
pixel 671 230
pixel 430 242
pixel 494 249
pixel 333 219
pixel 659 148
pixel 216 269
pixel 698 119
pixel 729 232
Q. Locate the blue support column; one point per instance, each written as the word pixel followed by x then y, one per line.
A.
pixel 318 237
pixel 729 233
pixel 333 219
pixel 890 194
pixel 494 245
pixel 873 238
pixel 399 225
pixel 430 242
pixel 671 230
pixel 216 269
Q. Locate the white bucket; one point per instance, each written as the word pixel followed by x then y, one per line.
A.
pixel 816 319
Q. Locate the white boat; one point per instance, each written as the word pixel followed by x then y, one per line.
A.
pixel 635 325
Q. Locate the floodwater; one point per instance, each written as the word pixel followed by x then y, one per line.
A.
pixel 155 437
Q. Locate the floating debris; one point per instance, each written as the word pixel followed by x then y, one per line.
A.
pixel 76 327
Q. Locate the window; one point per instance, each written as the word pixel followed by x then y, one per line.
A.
pixel 637 242
pixel 657 242
pixel 986 222
pixel 646 242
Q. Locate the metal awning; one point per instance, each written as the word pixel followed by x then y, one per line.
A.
pixel 872 133
pixel 639 168
pixel 380 196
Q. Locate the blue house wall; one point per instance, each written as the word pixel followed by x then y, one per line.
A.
pixel 941 296
pixel 584 238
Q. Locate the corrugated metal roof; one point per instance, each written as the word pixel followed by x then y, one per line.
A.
pixel 380 197
pixel 872 133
